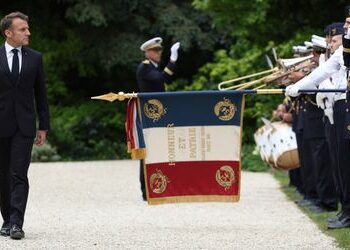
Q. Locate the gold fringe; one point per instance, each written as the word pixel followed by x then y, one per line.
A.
pixel 194 198
pixel 138 153
pixel 129 147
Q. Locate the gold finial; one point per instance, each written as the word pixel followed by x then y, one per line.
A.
pixel 111 97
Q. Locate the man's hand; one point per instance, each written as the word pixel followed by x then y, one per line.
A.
pixel 174 52
pixel 292 90
pixel 40 137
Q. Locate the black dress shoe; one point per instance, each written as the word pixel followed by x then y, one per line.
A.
pixel 5 229
pixel 304 203
pixel 337 217
pixel 321 209
pixel 340 223
pixel 16 232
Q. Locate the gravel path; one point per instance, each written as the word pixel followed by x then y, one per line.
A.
pixel 97 205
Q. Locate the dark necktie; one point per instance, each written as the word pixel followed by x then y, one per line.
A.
pixel 15 65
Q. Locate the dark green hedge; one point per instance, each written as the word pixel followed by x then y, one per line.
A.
pixel 91 130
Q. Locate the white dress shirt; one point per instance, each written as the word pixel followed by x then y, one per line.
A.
pixel 9 55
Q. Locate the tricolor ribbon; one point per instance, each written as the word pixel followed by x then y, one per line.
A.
pixel 134 135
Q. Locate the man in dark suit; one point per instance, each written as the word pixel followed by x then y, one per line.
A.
pixel 22 89
pixel 150 78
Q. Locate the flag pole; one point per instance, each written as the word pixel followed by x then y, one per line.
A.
pixel 302 91
pixel 121 96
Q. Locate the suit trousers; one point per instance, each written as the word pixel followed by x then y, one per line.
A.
pixel 15 155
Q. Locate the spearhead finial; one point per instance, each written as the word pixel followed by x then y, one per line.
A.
pixel 111 97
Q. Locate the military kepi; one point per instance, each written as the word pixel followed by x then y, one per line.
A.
pixel 336 29
pixel 154 43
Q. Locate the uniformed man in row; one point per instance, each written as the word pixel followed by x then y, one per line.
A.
pixel 309 131
pixel 326 101
pixel 334 64
pixel 294 115
pixel 150 78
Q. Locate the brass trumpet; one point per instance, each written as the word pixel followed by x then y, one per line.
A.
pixel 283 69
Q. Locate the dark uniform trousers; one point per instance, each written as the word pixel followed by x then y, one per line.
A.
pixel 318 154
pixel 306 169
pixel 342 131
pixel 295 174
pixel 331 139
pixel 316 176
pixel 151 79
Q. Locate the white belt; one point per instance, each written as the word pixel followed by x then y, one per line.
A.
pixel 338 97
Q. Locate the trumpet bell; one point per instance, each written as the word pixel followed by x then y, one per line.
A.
pixel 291 62
pixel 276 75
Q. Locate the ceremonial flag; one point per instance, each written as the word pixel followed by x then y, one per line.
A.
pixel 190 142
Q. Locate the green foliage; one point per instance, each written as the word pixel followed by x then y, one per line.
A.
pixel 255 21
pixel 92 130
pixel 251 159
pixel 87 11
pixel 45 153
pixel 112 31
pixel 241 17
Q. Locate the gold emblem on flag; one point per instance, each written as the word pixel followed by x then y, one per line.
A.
pixel 225 110
pixel 225 176
pixel 158 182
pixel 154 109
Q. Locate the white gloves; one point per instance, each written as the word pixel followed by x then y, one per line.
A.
pixel 325 100
pixel 329 113
pixel 174 52
pixel 320 100
pixel 292 90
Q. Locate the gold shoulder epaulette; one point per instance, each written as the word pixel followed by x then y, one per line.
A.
pixel 145 62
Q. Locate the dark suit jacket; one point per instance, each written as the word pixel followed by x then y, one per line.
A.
pixel 152 79
pixel 19 99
